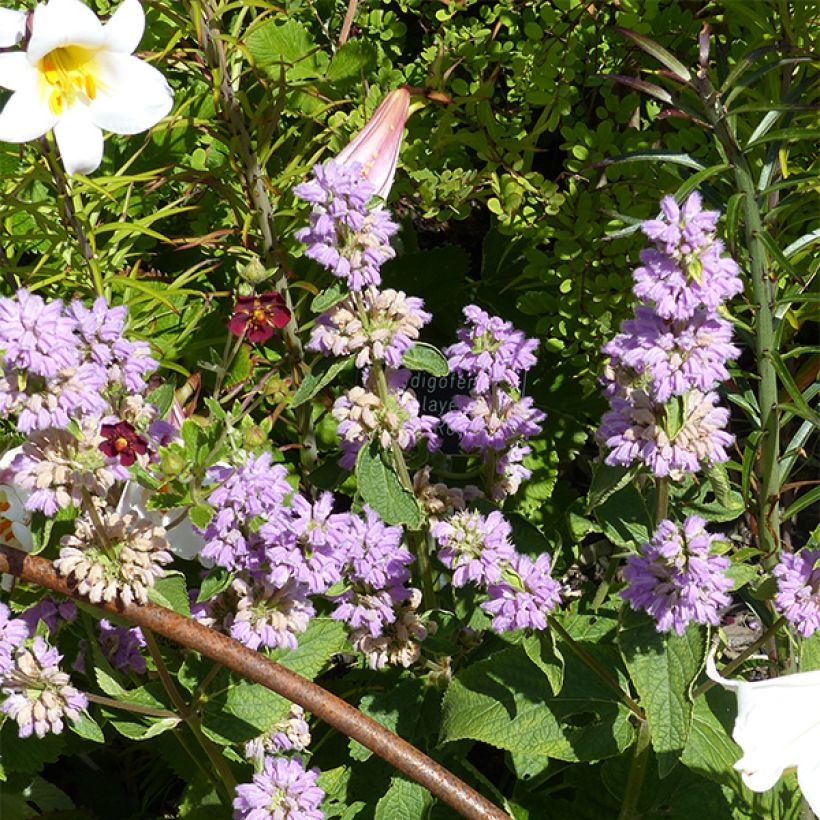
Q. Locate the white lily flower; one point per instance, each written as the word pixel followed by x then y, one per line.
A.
pixel 15 519
pixel 12 27
pixel 182 539
pixel 78 77
pixel 778 728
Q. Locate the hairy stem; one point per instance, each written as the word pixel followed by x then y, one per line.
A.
pixel 226 779
pixel 661 499
pixel 637 773
pixel 604 674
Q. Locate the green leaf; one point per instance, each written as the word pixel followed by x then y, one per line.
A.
pixel 640 85
pixel 427 358
pixel 718 477
pixel 162 398
pixel 217 580
pixel 674 157
pixel 271 45
pixel 606 481
pixel 663 667
pixel 625 518
pixel 140 727
pixel 240 368
pixel 658 52
pixel 540 649
pixel 29 754
pixel 171 591
pixel 506 701
pixel 330 296
pixel 353 59
pixel 201 515
pixel 382 489
pixel 801 406
pixel 87 727
pixel 810 653
pixel 785 135
pixel 807 499
pixel 405 800
pixel 323 372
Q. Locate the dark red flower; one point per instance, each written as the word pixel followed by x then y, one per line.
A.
pixel 257 316
pixel 122 441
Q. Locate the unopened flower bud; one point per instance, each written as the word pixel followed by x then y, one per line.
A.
pixel 255 272
pixel 254 437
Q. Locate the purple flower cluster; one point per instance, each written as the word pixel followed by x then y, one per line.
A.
pixel 346 236
pixel 494 421
pixel 377 570
pixel 50 612
pixel 798 590
pixel 686 269
pixel 122 647
pixel 61 363
pixel 282 790
pixel 35 692
pixel 676 578
pixel 254 489
pixel 665 362
pixel 478 549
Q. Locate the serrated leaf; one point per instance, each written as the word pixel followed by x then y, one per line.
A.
pixel 353 59
pixel 241 367
pixel 382 489
pixel 505 701
pixel 625 518
pixel 663 667
pixel 272 43
pixel 29 754
pixel 427 358
pixel 217 580
pixel 323 372
pixel 201 515
pixel 718 477
pixel 171 591
pixel 331 295
pixel 404 800
pixel 540 649
pixel 87 727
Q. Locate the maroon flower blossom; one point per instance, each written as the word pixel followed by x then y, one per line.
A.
pixel 122 441
pixel 257 316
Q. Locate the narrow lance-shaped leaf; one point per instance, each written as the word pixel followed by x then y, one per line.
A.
pixel 659 53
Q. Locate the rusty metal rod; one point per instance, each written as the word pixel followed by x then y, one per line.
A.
pixel 312 697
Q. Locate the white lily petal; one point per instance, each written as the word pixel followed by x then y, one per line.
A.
pixel 16 72
pixel 132 95
pixel 777 727
pixel 63 23
pixel 12 27
pixel 80 141
pixel 808 776
pixel 25 117
pixel 124 30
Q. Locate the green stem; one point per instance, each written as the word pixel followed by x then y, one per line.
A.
pixel 69 211
pixel 225 780
pixel 597 668
pixel 661 499
pixel 254 178
pixel 637 772
pixel 113 703
pixel 768 504
pixel 743 656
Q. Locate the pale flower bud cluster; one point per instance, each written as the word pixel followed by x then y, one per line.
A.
pixel 119 563
pixel 377 325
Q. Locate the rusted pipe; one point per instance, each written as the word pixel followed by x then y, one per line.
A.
pixel 312 697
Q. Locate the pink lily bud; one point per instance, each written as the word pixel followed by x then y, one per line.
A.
pixel 377 145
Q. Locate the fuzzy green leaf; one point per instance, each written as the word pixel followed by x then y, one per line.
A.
pixel 662 667
pixel 404 800
pixel 323 372
pixel 427 358
pixel 382 490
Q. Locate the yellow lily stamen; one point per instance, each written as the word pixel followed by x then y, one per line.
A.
pixel 69 71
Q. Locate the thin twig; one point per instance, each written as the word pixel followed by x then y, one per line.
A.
pixel 348 21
